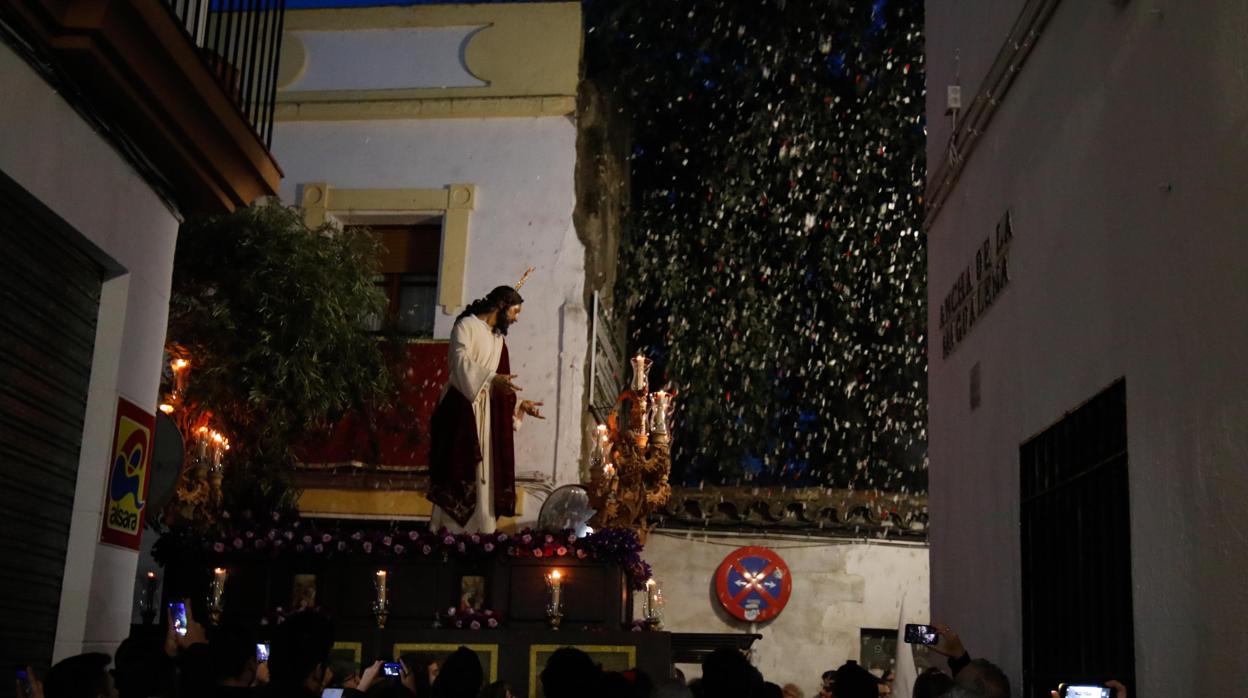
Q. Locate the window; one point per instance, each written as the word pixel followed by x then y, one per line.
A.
pixel 408 275
pixel 1076 548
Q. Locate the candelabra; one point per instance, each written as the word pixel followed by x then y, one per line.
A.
pixel 216 595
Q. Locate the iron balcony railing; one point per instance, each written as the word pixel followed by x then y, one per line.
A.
pixel 239 41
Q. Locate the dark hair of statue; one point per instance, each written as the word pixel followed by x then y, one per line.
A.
pixel 501 298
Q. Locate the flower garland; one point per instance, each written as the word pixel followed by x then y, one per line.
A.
pixel 471 619
pixel 248 537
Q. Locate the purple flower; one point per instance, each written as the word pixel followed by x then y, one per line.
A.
pixel 459 623
pixel 462 547
pixel 272 533
pixel 387 541
pixel 357 535
pixel 238 542
pixel 368 547
pixel 289 535
pixel 488 547
pixel 448 540
pixel 474 625
pixel 502 537
pixel 413 534
pixel 426 548
pixel 492 623
pixel 249 535
pixel 218 547
pixel 325 538
pixel 307 539
pixel 476 538
pixel 398 549
pixel 526 538
pixel 319 548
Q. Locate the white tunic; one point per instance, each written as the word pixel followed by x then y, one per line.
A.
pixel 473 357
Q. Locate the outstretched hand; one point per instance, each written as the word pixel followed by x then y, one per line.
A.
pixel 531 408
pixel 949 643
pixel 504 382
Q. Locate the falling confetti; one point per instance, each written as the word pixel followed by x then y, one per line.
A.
pixel 773 263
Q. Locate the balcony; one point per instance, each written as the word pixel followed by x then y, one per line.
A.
pixel 184 88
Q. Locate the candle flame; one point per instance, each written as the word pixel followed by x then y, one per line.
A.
pixel 180 364
pixel 381 573
pixel 151 575
pixel 650 583
pixel 555 575
pixel 166 408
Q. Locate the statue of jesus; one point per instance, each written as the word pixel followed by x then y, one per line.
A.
pixel 472 473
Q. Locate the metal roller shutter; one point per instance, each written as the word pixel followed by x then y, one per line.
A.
pixel 49 299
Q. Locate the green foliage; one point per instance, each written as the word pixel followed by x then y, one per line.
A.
pixel 774 264
pixel 272 316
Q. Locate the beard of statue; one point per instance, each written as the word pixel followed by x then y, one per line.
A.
pixel 502 322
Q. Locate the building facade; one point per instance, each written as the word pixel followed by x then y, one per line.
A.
pixel 1087 373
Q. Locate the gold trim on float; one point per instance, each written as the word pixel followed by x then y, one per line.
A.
pixel 326 501
pixel 629 650
pixel 401 648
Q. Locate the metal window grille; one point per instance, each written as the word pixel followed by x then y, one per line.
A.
pixel 606 362
pixel 240 41
pixel 1076 548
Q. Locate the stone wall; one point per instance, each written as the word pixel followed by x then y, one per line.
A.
pixel 839 587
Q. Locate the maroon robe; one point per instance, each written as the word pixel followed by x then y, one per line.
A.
pixel 454 451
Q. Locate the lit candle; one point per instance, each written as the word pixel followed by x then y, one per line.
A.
pixel 641 367
pixel 201 437
pixel 218 576
pixel 556 588
pixel 608 470
pixel 218 446
pixel 652 598
pixel 381 586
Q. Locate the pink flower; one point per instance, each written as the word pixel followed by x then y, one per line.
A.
pixel 474 625
pixel 307 539
pixel 571 539
pixel 238 542
pixel 537 552
pixel 272 534
pixel 290 535
pixel 492 623
pixel 526 538
pixel 426 548
pixel 387 541
pixel 462 547
pixel 488 547
pixel 398 549
pixel 342 545
pixel 325 538
pixel 450 611
pixel 413 534
pixel 476 538
pixel 249 535
pixel 218 547
pixel 459 623
pixel 357 535
pixel 448 540
pixel 561 551
pixel 368 547
pixel 550 538
pixel 580 554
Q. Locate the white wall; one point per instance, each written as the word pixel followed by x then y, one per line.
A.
pixel 1121 152
pixel 523 169
pixel 54 154
pixel 839 587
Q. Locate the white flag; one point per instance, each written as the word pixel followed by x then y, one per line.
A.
pixel 903 665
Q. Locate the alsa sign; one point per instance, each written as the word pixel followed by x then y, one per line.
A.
pixel 129 473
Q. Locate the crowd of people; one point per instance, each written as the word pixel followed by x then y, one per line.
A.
pixel 225 664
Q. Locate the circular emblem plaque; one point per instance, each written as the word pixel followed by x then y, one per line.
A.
pixel 753 584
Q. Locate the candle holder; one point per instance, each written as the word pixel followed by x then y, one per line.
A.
pixel 554 599
pixel 652 610
pixel 660 410
pixel 381 604
pixel 216 595
pixel 641 373
pixel 147 598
